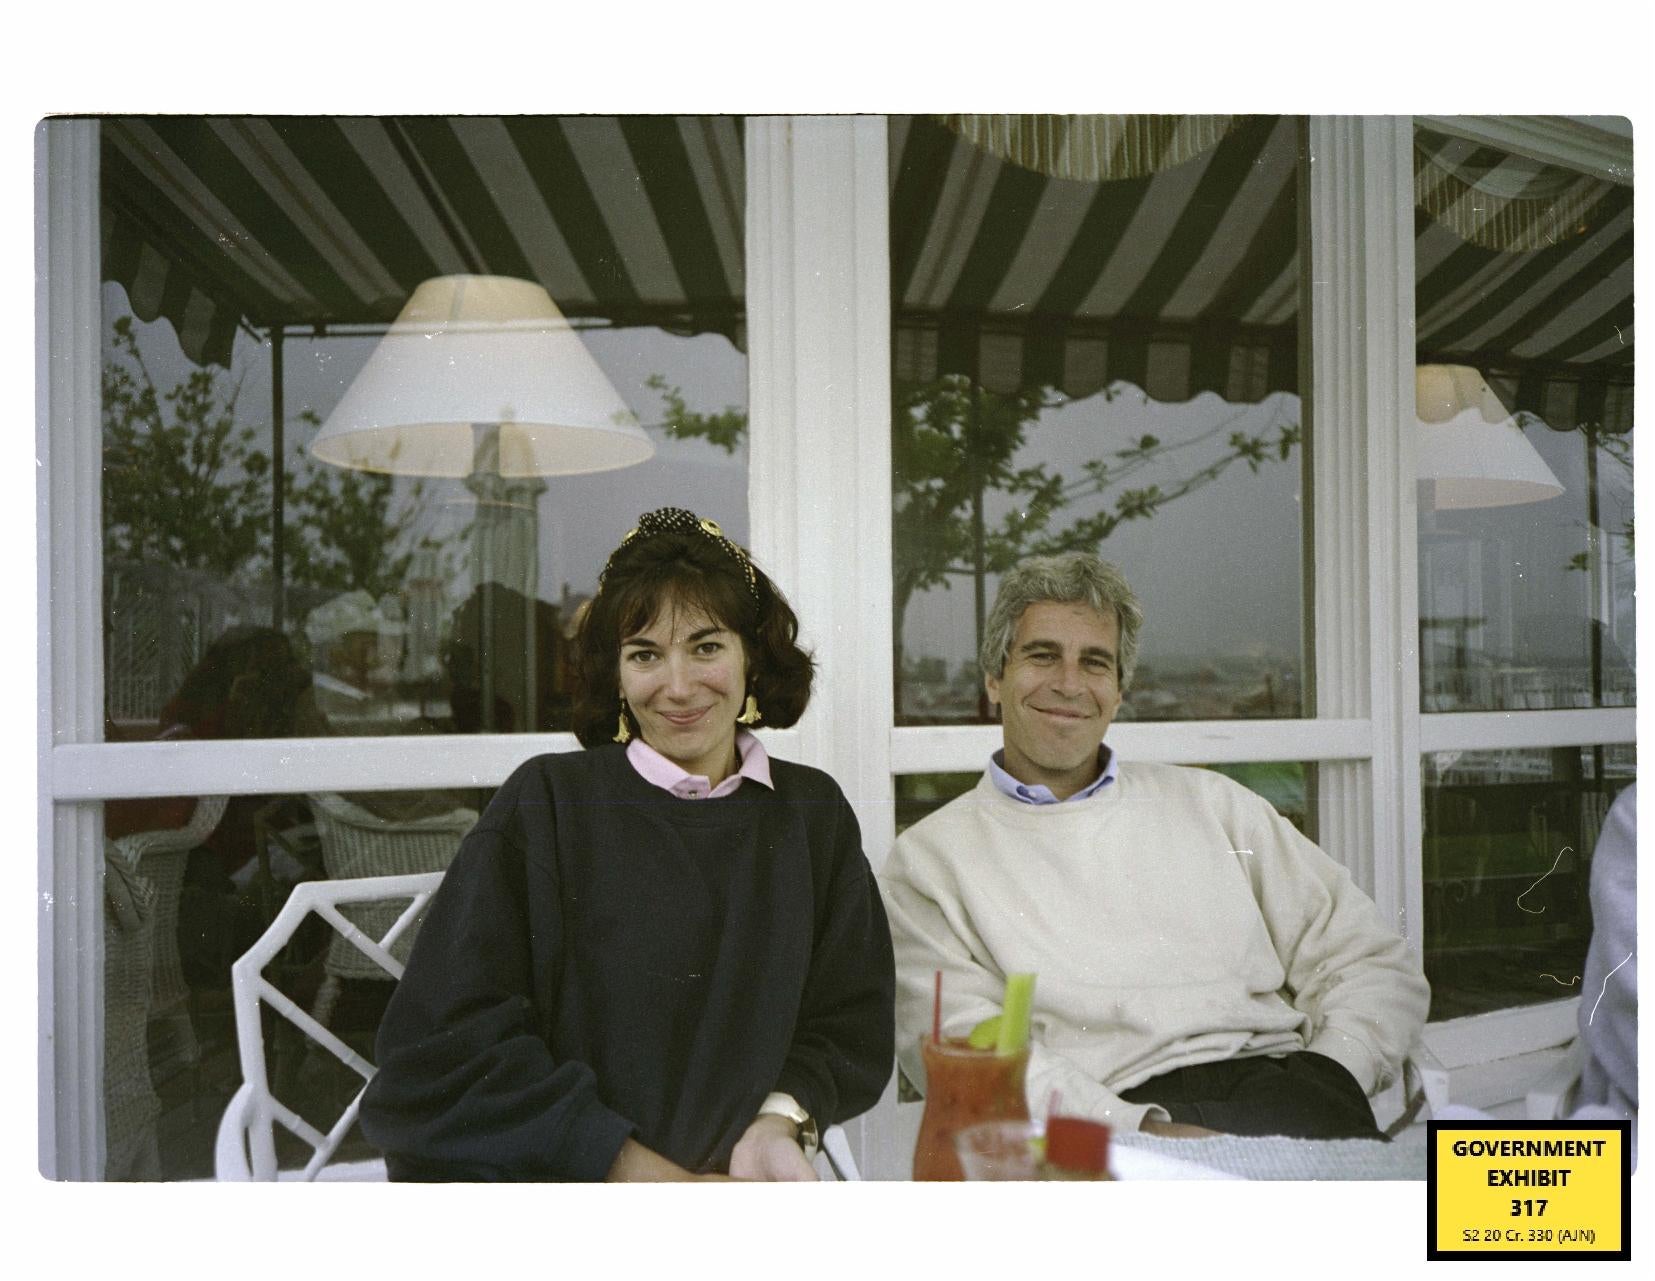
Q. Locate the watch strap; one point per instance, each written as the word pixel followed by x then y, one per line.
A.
pixel 779 1103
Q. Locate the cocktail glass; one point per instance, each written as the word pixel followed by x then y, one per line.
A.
pixel 998 1151
pixel 964 1086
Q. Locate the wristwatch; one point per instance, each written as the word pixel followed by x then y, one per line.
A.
pixel 779 1104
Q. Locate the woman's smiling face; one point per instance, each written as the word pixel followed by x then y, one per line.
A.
pixel 685 677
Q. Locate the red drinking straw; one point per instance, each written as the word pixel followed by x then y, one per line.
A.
pixel 936 1011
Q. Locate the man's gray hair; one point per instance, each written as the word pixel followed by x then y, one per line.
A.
pixel 1074 577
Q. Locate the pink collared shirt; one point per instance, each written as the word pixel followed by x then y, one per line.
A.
pixel 657 769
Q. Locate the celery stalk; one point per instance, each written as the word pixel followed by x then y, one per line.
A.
pixel 1015 1010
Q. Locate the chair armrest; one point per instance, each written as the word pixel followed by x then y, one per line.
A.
pixel 836 1148
pixel 230 1163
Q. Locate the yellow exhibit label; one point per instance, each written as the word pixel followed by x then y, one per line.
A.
pixel 1529 1189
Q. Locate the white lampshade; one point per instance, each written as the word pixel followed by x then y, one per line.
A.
pixel 481 351
pixel 1470 447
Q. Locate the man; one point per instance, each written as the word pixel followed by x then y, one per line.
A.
pixel 1202 966
pixel 1608 1016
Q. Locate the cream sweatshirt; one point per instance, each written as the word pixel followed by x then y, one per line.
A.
pixel 1174 918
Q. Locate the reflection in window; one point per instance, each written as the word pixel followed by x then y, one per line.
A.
pixel 1507 856
pixel 1524 299
pixel 1095 338
pixel 251 268
pixel 190 883
pixel 1283 783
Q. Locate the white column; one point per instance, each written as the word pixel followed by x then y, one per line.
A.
pixel 818 299
pixel 1361 309
pixel 70 578
pixel 819 326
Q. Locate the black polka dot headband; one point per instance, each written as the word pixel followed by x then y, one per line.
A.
pixel 675 520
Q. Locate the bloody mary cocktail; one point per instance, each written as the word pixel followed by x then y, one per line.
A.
pixel 964 1086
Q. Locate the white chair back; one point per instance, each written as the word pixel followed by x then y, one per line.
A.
pixel 246 1147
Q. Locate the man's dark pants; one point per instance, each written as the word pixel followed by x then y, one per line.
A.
pixel 1304 1095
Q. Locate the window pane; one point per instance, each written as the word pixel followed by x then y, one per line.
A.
pixel 1508 848
pixel 252 267
pixel 1284 784
pixel 1095 329
pixel 189 885
pixel 1524 297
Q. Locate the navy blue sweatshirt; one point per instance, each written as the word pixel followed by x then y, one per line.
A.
pixel 605 960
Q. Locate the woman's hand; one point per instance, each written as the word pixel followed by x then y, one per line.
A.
pixel 770 1151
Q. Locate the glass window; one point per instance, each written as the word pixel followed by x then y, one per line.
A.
pixel 190 883
pixel 1524 302
pixel 1095 335
pixel 252 269
pixel 1507 856
pixel 1284 784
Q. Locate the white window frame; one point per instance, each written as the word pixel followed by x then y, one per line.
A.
pixel 819 497
pixel 1458 1048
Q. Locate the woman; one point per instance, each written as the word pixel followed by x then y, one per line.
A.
pixel 663 957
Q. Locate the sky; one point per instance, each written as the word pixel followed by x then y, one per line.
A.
pixel 582 518
pixel 1244 598
pixel 1241 595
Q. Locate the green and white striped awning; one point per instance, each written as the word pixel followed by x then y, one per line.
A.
pixel 1178 280
pixel 1525 272
pixel 1182 275
pixel 1166 257
pixel 312 221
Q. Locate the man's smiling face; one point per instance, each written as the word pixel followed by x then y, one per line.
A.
pixel 1058 693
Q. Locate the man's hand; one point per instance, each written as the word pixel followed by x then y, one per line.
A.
pixel 637 1164
pixel 770 1151
pixel 1176 1129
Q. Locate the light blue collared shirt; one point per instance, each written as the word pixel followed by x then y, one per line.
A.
pixel 1039 793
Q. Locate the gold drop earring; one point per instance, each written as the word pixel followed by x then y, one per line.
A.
pixel 750 713
pixel 623 731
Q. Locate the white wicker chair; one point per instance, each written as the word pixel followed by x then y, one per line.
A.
pixel 356 844
pixel 131 1106
pixel 160 857
pixel 246 1145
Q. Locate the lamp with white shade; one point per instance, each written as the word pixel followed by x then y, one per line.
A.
pixel 471 354
pixel 483 377
pixel 1471 454
pixel 1471 450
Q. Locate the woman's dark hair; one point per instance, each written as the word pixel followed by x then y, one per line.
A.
pixel 687 569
